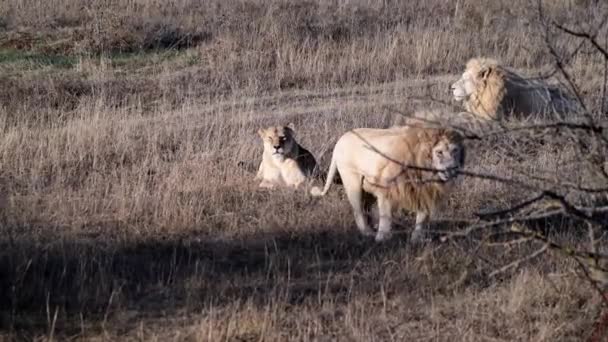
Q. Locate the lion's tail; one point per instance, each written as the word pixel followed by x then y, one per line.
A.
pixel 331 174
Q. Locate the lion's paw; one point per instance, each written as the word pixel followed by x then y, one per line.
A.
pixel 367 232
pixel 383 236
pixel 316 191
pixel 418 236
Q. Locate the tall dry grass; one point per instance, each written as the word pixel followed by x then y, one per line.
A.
pixel 123 122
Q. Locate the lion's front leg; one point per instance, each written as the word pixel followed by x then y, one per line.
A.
pixel 292 175
pixel 260 174
pixel 271 177
pixel 418 235
pixel 385 219
pixel 266 184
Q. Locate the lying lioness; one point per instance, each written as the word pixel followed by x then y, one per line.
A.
pixel 284 161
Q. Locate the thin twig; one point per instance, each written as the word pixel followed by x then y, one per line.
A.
pixel 560 64
pixel 520 261
pixel 604 108
pixel 512 209
pixel 585 35
pixel 476 227
pixel 510 242
pixel 594 128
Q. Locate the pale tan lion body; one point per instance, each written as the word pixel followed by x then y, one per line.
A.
pixel 492 91
pixel 284 161
pixel 375 161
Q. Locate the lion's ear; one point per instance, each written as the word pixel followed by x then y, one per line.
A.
pixel 291 128
pixel 261 132
pixel 486 72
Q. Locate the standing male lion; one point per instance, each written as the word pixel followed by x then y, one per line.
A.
pixel 403 167
pixel 492 91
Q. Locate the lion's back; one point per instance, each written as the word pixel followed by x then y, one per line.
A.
pixel 507 91
pixel 307 162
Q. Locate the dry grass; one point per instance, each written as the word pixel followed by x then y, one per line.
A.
pixel 122 126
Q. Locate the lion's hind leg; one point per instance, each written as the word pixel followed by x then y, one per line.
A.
pixel 354 193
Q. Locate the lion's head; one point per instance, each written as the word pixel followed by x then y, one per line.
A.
pixel 278 141
pixel 481 87
pixel 448 155
pixel 474 79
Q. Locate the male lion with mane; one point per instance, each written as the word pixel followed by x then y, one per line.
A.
pixel 284 161
pixel 491 91
pixel 409 167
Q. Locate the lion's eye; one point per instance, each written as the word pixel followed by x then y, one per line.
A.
pixel 440 153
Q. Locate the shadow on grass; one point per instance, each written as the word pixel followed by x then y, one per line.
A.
pixel 91 279
pixel 98 279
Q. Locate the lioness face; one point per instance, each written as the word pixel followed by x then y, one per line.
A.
pixel 464 87
pixel 278 140
pixel 448 158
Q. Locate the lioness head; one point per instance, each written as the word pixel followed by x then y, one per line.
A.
pixel 474 78
pixel 448 156
pixel 278 140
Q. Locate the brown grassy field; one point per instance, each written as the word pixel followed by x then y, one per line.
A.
pixel 128 218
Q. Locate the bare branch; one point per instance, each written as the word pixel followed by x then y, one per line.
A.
pixel 592 281
pixel 468 134
pixel 481 226
pixel 567 59
pixel 564 184
pixel 585 35
pixel 558 60
pixel 512 209
pixel 603 108
pixel 588 261
pixel 520 261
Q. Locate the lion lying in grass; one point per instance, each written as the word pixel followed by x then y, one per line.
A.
pixel 492 91
pixel 403 167
pixel 284 161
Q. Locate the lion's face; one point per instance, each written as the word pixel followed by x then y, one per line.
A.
pixel 465 86
pixel 448 157
pixel 474 80
pixel 278 140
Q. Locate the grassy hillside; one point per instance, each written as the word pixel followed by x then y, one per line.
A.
pixel 128 218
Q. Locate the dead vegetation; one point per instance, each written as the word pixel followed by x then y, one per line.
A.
pixel 123 123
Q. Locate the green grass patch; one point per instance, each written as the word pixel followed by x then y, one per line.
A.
pixel 35 60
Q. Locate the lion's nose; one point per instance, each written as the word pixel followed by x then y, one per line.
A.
pixel 453 172
pixel 277 147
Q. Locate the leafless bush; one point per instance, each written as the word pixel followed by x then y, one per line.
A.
pixel 573 189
